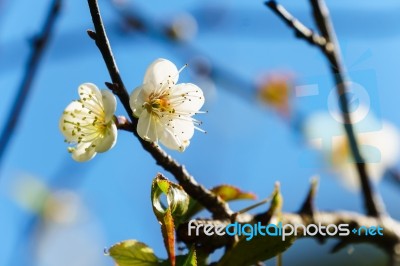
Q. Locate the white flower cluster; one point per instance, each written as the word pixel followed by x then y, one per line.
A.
pixel 165 111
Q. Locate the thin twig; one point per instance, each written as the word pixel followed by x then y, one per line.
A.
pixel 149 27
pixel 211 202
pixel 39 45
pixel 301 31
pixel 372 201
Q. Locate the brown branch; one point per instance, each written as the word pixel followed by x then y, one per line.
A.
pixel 372 201
pixel 39 45
pixel 391 228
pixel 214 204
pixel 301 31
pixel 123 123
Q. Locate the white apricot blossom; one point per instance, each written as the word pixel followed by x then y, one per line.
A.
pixel 88 123
pixel 164 108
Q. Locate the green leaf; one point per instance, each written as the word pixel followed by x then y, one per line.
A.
pixel 259 248
pixel 191 259
pixel 133 253
pixel 177 199
pixel 170 215
pixel 229 193
pixel 225 192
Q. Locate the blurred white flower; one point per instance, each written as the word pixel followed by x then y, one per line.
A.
pixel 183 27
pixel 68 233
pixel 379 145
pixel 164 108
pixel 88 123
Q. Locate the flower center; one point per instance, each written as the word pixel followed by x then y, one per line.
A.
pixel 157 104
pixel 88 122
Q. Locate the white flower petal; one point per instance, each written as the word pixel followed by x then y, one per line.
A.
pixel 109 104
pixel 189 98
pixel 67 128
pixel 165 109
pixel 88 90
pixel 170 140
pixel 109 140
pixel 160 71
pixel 88 123
pixel 176 133
pixel 149 127
pixel 182 126
pixel 386 141
pixel 173 141
pixel 83 152
pixel 137 99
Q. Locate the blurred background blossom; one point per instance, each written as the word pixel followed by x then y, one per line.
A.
pixel 379 148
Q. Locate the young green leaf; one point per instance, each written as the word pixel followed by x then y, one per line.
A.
pixel 169 216
pixel 177 199
pixel 229 193
pixel 259 248
pixel 191 259
pixel 133 253
pixel 225 192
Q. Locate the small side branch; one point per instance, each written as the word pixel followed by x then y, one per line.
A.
pixel 214 204
pixel 301 31
pixel 39 45
pixel 372 201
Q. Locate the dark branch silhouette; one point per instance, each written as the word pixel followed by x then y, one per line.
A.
pixel 39 45
pixel 372 202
